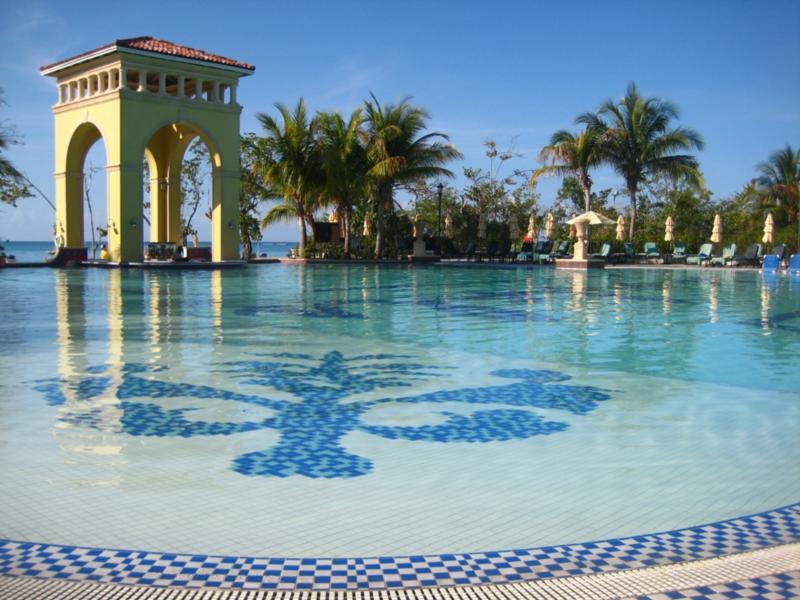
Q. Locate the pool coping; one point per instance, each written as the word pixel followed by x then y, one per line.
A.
pixel 181 570
pixel 772 572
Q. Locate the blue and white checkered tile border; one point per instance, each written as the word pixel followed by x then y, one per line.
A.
pixel 132 567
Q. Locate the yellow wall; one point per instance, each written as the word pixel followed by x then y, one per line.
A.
pixel 134 124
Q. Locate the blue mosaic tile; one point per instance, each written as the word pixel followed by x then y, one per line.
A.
pixel 128 567
pixel 312 427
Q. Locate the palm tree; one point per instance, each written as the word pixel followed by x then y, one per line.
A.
pixel 779 181
pixel 397 153
pixel 291 166
pixel 344 162
pixel 568 154
pixel 639 142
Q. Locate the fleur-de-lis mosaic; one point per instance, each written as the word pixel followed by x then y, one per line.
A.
pixel 322 409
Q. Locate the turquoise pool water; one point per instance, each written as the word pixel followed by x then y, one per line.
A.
pixel 352 411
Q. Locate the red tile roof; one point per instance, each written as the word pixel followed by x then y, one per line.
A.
pixel 156 46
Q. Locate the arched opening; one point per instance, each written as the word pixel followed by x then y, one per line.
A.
pixel 83 219
pixel 180 166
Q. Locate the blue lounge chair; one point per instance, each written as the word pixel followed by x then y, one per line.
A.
pixel 728 253
pixel 651 251
pixel 794 263
pixel 679 253
pixel 605 252
pixel 771 263
pixel 704 255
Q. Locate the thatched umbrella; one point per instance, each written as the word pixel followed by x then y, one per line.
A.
pixel 448 225
pixel 669 230
pixel 367 226
pixel 769 230
pixel 549 226
pixel 621 228
pixel 532 228
pixel 716 231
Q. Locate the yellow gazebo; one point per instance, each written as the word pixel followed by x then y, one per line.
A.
pixel 146 98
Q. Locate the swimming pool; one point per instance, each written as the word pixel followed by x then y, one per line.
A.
pixel 355 411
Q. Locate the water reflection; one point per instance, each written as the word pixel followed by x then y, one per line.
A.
pixel 713 299
pixel 666 297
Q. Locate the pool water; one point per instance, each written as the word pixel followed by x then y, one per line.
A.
pixel 355 411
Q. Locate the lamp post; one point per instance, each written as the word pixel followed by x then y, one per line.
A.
pixel 440 187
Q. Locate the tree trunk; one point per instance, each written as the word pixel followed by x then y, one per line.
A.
pixel 632 230
pixel 247 244
pixel 346 216
pixel 383 193
pixel 587 194
pixel 301 222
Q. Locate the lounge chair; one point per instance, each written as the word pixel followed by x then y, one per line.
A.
pixel 629 256
pixel 650 252
pixel 678 253
pixel 752 256
pixel 525 252
pixel 541 252
pixel 774 261
pixel 605 252
pixel 771 263
pixel 794 263
pixel 728 253
pixel 468 251
pixel 562 249
pixel 499 251
pixel 704 255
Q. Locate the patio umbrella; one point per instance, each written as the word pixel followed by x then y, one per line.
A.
pixel 769 229
pixel 367 226
pixel 716 231
pixel 549 226
pixel 482 226
pixel 620 228
pixel 532 227
pixel 448 225
pixel 669 230
pixel 591 218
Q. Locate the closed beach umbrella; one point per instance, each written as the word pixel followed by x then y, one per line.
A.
pixel 669 230
pixel 367 226
pixel 482 226
pixel 620 228
pixel 549 226
pixel 769 229
pixel 532 227
pixel 448 225
pixel 716 231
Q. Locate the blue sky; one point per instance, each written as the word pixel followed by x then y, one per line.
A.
pixel 514 72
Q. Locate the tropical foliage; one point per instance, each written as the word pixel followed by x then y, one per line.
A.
pixel 639 142
pixel 13 184
pixel 573 155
